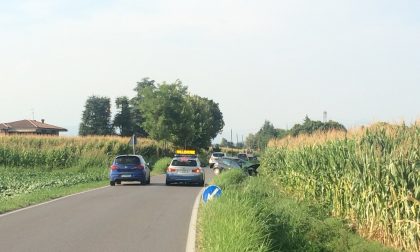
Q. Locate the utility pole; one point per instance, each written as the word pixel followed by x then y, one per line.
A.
pixel 237 141
pixel 325 116
pixel 231 139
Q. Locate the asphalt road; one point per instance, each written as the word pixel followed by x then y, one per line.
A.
pixel 127 217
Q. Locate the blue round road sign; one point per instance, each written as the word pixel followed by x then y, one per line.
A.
pixel 211 192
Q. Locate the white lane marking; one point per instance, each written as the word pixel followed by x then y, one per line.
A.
pixel 49 202
pixel 192 230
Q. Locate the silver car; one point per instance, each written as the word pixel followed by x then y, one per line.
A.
pixel 214 156
pixel 185 170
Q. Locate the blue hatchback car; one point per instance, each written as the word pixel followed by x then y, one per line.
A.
pixel 129 168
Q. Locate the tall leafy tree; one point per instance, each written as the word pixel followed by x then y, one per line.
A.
pixel 207 120
pixel 123 118
pixel 137 117
pixel 96 118
pixel 264 135
pixel 261 138
pixel 251 142
pixel 167 114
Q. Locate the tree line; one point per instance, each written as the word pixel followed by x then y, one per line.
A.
pixel 260 139
pixel 164 112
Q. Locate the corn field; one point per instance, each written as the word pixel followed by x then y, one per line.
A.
pixel 60 152
pixel 370 177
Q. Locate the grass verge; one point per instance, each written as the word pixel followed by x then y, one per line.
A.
pixel 43 195
pixel 253 214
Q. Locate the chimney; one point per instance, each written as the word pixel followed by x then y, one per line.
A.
pixel 42 120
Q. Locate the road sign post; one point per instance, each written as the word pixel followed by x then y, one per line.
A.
pixel 211 192
pixel 133 142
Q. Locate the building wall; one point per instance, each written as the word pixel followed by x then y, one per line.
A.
pixel 50 133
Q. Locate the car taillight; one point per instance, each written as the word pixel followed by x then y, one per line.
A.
pixel 114 167
pixel 170 169
pixel 140 166
pixel 196 170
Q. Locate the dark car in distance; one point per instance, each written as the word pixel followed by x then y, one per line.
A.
pixel 129 168
pixel 226 163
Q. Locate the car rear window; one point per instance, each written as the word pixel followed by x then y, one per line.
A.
pixel 127 160
pixel 218 154
pixel 181 162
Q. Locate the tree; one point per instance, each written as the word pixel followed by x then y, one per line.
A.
pixel 136 114
pixel 123 118
pixel 224 142
pixel 96 118
pixel 207 120
pixel 310 127
pixel 167 114
pixel 263 136
pixel 251 142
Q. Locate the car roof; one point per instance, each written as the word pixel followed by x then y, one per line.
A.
pixel 129 155
pixel 185 158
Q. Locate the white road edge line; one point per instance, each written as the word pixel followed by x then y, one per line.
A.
pixel 192 230
pixel 49 202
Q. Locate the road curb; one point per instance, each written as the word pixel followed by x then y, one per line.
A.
pixel 192 230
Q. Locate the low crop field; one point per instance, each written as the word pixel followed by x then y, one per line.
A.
pixel 23 187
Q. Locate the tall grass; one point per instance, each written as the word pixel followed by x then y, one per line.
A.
pixel 370 177
pixel 253 214
pixel 232 223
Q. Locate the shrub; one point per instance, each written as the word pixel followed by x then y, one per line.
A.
pixel 160 166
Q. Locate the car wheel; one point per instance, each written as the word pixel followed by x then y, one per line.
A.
pixel 112 183
pixel 148 181
pixel 167 182
pixel 201 183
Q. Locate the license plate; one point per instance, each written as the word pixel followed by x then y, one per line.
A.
pixel 183 171
pixel 126 176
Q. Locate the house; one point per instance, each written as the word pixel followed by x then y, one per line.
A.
pixel 29 127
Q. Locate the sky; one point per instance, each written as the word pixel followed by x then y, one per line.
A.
pixel 275 60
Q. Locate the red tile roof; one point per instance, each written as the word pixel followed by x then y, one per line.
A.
pixel 29 124
pixel 3 126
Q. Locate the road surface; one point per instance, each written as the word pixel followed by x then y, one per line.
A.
pixel 126 217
